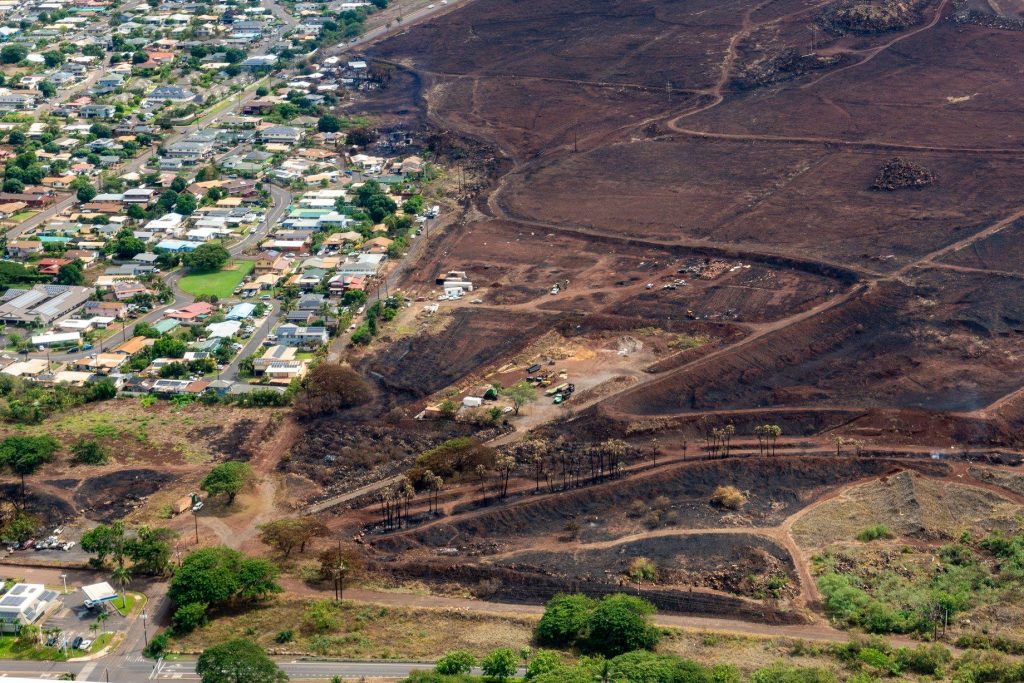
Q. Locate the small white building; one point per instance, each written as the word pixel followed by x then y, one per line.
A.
pixel 24 604
pixel 56 338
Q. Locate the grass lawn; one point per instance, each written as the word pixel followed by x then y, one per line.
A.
pixel 133 599
pixel 221 284
pixel 9 649
pixel 101 642
pixel 24 215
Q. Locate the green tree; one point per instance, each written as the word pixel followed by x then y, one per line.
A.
pixel 238 661
pixel 500 664
pixel 123 576
pixel 88 452
pixel 150 549
pixel 228 478
pixel 328 123
pixel 620 623
pixel 565 619
pixel 455 663
pixel 86 193
pixel 185 204
pixel 47 89
pixel 179 184
pixel 20 527
pixel 222 576
pixel 53 58
pixel 25 455
pixel 71 274
pixel 207 258
pixel 290 533
pixel 13 185
pixel 105 540
pixel 520 394
pixel 12 54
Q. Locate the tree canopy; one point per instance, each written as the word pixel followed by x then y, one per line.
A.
pixel 330 387
pixel 219 577
pixel 207 257
pixel 228 478
pixel 238 661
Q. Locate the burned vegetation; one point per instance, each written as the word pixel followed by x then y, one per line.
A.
pixel 874 16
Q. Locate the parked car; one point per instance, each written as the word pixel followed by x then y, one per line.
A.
pixel 85 644
pixel 77 642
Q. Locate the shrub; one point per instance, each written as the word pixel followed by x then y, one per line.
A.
pixel 728 497
pixel 88 452
pixel 781 673
pixel 189 617
pixel 455 662
pixel 320 616
pixel 285 636
pixel 542 662
pixel 565 620
pixel 874 533
pixel 642 569
pixel 157 646
pixel 927 660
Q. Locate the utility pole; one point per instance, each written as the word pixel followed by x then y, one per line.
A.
pixel 195 517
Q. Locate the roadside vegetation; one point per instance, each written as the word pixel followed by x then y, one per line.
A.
pixel 916 590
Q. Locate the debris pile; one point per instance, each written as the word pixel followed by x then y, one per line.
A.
pixel 899 174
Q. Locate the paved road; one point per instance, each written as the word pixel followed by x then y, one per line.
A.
pixel 137 669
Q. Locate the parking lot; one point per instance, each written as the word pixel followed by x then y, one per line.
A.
pixel 68 613
pixel 74 619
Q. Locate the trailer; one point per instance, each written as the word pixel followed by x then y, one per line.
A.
pixel 556 389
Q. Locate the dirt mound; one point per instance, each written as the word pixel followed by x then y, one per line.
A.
pixel 911 506
pixel 873 16
pixel 900 174
pixel 111 496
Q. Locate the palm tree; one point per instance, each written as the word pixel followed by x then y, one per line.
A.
pixel 101 618
pixel 123 575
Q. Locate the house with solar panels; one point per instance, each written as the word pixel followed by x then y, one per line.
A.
pixel 24 604
pixel 42 304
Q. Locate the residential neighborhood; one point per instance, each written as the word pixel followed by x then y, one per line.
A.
pixel 185 213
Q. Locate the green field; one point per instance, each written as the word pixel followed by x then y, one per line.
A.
pixel 221 284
